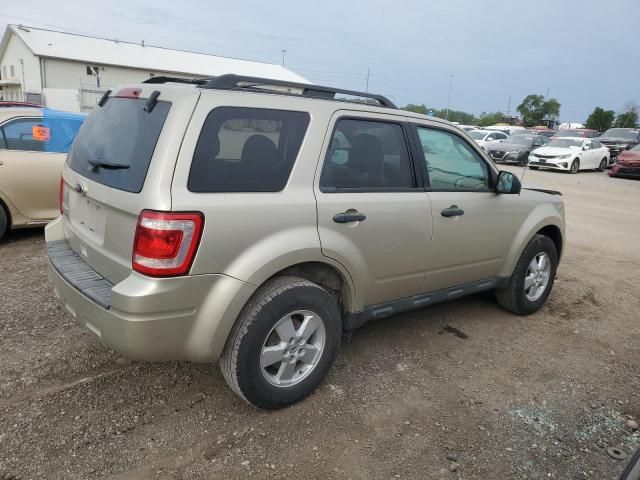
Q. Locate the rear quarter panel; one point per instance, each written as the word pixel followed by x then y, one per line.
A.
pixel 251 236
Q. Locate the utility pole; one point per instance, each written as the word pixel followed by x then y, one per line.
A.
pixel 368 72
pixel 284 53
pixel 449 96
pixel 509 107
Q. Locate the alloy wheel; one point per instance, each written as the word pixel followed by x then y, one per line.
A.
pixel 537 277
pixel 292 348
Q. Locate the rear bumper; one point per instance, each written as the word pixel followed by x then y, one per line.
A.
pixel 153 319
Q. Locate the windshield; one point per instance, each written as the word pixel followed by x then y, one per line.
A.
pixel 621 133
pixel 115 145
pixel 477 135
pixel 564 143
pixel 520 139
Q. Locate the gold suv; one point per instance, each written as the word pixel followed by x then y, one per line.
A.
pixel 33 146
pixel 252 221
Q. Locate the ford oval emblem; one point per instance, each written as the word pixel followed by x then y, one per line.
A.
pixel 79 187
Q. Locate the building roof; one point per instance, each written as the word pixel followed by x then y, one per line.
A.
pixel 102 51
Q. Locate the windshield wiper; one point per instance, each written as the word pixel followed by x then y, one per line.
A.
pixel 95 164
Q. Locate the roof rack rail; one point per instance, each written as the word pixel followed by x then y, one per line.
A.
pixel 191 81
pixel 241 82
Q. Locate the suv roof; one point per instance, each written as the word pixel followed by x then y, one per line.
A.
pixel 266 85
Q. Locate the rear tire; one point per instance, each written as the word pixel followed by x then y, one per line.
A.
pixel 268 370
pixel 4 222
pixel 603 165
pixel 520 298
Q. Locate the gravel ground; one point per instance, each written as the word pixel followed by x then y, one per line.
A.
pixel 457 391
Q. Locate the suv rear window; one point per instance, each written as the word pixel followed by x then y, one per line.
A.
pixel 246 150
pixel 120 133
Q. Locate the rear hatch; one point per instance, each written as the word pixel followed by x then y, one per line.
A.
pixel 122 162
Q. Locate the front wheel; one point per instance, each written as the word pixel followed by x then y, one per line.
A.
pixel 532 279
pixel 4 222
pixel 575 166
pixel 283 343
pixel 603 165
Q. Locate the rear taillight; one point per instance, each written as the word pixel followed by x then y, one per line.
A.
pixel 166 242
pixel 61 196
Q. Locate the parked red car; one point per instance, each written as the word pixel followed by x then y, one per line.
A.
pixel 627 164
pixel 7 103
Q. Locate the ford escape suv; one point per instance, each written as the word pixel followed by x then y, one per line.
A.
pixel 251 222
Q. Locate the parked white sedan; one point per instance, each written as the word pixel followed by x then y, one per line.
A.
pixel 572 154
pixel 483 137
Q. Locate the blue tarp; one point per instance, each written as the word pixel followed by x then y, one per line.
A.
pixel 59 129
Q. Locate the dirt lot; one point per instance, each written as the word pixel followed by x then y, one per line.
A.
pixel 460 391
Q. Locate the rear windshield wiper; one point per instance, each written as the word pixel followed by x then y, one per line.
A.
pixel 95 164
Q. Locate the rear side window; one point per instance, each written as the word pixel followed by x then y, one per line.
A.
pixel 39 134
pixel 367 155
pixel 115 144
pixel 246 150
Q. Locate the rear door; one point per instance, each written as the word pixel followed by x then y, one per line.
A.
pixel 472 224
pixel 121 163
pixel 373 215
pixel 29 174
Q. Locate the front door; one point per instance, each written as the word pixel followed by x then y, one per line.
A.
pixel 29 175
pixel 372 215
pixel 472 224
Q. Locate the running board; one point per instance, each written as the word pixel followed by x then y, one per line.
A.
pixel 382 310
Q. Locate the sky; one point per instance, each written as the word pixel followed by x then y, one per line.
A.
pixel 585 53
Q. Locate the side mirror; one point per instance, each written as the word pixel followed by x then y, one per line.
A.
pixel 508 183
pixel 586 147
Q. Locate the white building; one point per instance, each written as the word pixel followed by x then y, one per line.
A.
pixel 71 72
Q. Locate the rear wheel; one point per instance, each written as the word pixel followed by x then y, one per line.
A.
pixel 575 166
pixel 4 222
pixel 283 344
pixel 532 279
pixel 603 165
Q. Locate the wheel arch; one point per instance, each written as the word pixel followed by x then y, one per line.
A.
pixel 333 279
pixel 543 220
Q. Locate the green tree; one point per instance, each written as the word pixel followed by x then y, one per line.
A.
pixel 534 109
pixel 628 118
pixel 490 118
pixel 416 108
pixel 600 119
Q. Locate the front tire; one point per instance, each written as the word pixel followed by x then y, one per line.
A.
pixel 4 222
pixel 603 165
pixel 532 279
pixel 283 343
pixel 575 166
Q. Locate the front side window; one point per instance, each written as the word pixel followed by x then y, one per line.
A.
pixel 367 155
pixel 246 150
pixel 451 164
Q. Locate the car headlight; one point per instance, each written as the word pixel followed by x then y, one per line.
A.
pixel 564 156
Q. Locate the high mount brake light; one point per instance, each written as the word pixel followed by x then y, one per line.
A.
pixel 128 93
pixel 165 243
